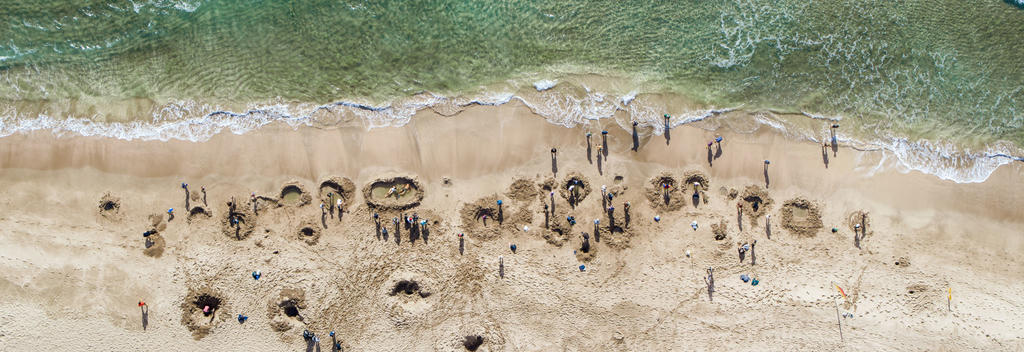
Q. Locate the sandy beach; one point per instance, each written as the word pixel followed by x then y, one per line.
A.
pixel 74 264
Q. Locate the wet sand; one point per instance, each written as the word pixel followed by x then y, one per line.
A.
pixel 72 270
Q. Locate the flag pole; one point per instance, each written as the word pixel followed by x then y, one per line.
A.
pixel 839 322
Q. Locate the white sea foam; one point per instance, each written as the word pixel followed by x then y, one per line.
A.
pixel 544 84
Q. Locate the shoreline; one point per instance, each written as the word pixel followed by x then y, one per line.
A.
pixel 67 271
pixel 954 161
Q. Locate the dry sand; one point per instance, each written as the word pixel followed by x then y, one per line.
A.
pixel 73 263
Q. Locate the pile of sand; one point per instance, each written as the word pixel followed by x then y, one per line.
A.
pixel 801 217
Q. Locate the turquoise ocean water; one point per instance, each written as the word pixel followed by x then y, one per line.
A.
pixel 938 85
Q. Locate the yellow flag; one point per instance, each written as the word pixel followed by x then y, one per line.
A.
pixel 950 294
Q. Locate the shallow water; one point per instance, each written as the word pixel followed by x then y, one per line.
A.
pixel 380 191
pixel 291 196
pixel 936 83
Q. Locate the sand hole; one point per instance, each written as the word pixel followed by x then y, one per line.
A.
pixel 801 217
pixel 293 194
pixel 480 218
pixel 154 246
pixel 662 198
pixel 110 207
pixel 755 202
pixel 308 232
pixel 720 230
pixel 580 188
pixel 336 188
pixel 198 321
pixel 618 179
pixel 393 193
pixel 694 176
pixel 472 342
pixel 198 213
pixel 286 309
pixel 239 223
pixel 409 288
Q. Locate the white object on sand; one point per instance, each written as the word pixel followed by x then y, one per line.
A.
pixel 526 228
pixel 694 225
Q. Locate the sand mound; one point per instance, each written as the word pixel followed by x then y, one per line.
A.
pixel 861 218
pixel 195 196
pixel 294 195
pixel 613 230
pixel 559 230
pixel 243 226
pixel 393 193
pixel 192 316
pixel 110 207
pixel 580 188
pixel 472 342
pixel 662 198
pixel 522 190
pixel 801 217
pixel 335 187
pixel 198 213
pixel 308 232
pixel 157 222
pixel 154 246
pixel 586 248
pixel 755 202
pixel 286 310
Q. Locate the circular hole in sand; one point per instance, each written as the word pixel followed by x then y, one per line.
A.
pixel 393 193
pixel 207 304
pixel 664 193
pixel 618 179
pixel 110 207
pixel 291 194
pixel 472 342
pixel 306 231
pixel 575 188
pixel 409 288
pixel 289 308
pixel 755 201
pixel 337 188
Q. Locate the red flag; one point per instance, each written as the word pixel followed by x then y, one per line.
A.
pixel 841 292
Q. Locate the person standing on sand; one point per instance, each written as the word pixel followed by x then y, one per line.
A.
pixel 339 203
pixel 203 189
pixel 170 214
pixel 184 186
pixel 252 198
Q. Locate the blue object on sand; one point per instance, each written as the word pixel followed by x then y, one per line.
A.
pixel 583 267
pixel 499 201
pixel 256 275
pixel 718 139
pixel 754 282
pixel 745 278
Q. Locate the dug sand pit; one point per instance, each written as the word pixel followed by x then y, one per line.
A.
pixel 664 193
pixel 696 184
pixel 294 195
pixel 755 202
pixel 110 207
pixel 862 219
pixel 801 217
pixel 335 188
pixel 472 342
pixel 395 193
pixel 574 189
pixel 154 245
pixel 486 219
pixel 285 311
pixel 308 232
pixel 237 222
pixel 198 213
pixel 720 230
pixel 201 311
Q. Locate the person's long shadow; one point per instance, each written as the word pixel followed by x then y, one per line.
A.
pixel 718 150
pixel 604 144
pixel 768 229
pixel 636 139
pixel 462 245
pixel 554 165
pixel 589 151
pixel 145 316
pixel 600 171
pixel 835 146
pixel 767 181
pixel 696 199
pixel 824 156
